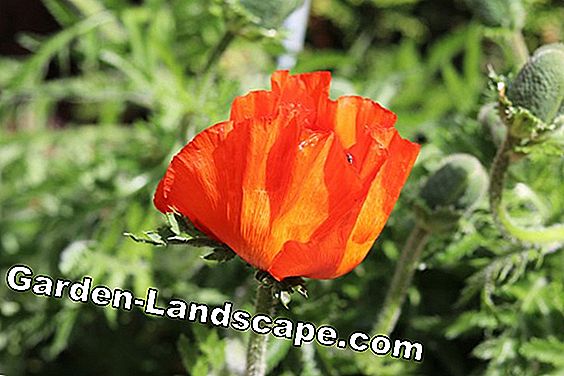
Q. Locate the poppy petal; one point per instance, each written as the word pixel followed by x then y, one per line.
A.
pixel 256 104
pixel 379 202
pixel 354 113
pixel 191 183
pixel 321 254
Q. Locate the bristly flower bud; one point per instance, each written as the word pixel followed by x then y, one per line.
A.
pixel 451 192
pixel 531 106
pixel 539 86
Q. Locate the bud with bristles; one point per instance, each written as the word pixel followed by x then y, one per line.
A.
pixel 451 192
pixel 539 86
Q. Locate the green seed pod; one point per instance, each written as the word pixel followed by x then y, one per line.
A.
pixel 452 191
pixel 499 13
pixel 539 86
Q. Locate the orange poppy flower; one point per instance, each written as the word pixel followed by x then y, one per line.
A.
pixel 295 183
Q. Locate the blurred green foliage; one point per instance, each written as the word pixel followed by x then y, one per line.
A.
pixel 90 119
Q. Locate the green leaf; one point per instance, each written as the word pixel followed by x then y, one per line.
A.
pixel 276 352
pixel 32 70
pixel 546 350
pixel 221 254
pixel 188 352
pixel 148 237
pixel 61 11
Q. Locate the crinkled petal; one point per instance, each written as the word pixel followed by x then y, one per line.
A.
pixel 379 202
pixel 347 185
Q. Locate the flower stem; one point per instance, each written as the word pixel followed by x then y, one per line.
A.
pixel 519 48
pixel 497 178
pixel 219 49
pixel 405 268
pixel 501 217
pixel 256 352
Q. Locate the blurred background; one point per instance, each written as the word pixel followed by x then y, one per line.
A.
pixel 97 95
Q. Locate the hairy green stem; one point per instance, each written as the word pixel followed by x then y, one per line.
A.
pixel 219 49
pixel 256 351
pixel 501 217
pixel 497 179
pixel 405 268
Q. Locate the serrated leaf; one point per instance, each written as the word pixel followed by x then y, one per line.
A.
pixel 65 323
pixel 220 255
pixel 549 350
pixel 197 242
pixel 470 320
pixel 148 237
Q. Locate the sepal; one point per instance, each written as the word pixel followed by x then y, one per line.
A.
pixel 283 290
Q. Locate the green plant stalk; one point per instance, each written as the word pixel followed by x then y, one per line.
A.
pixel 501 217
pixel 403 275
pixel 498 172
pixel 113 30
pixel 256 351
pixel 219 49
pixel 519 48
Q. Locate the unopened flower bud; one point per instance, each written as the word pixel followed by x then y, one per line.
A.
pixel 539 86
pixel 452 191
